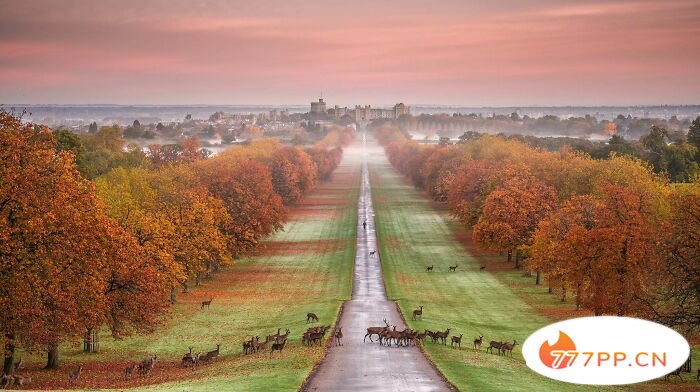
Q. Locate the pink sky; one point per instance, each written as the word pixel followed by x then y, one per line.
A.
pixel 543 52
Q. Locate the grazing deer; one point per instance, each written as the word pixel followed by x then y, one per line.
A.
pixel 483 267
pixel 18 364
pixel 376 331
pixel 477 343
pixel 129 370
pixel 453 268
pixel 418 312
pixel 277 347
pixel 494 344
pixel 187 359
pixel 457 340
pixel 338 336
pixel 429 269
pixel 371 253
pixel 443 336
pixel 74 375
pixel 207 303
pixel 311 317
pixel 508 348
pixel 676 373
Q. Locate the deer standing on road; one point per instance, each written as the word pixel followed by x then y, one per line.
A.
pixel 453 268
pixel 477 343
pixel 338 336
pixel 429 269
pixel 376 331
pixel 207 303
pixel 418 312
pixel 371 253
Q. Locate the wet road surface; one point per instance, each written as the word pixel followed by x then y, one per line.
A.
pixel 360 366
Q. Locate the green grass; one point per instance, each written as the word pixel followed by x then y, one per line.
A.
pixel 412 235
pixel 305 268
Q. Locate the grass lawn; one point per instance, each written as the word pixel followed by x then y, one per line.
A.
pixel 499 305
pixel 305 268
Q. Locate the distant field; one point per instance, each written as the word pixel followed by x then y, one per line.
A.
pixel 500 304
pixel 307 267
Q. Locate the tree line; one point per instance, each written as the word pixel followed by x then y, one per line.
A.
pixel 94 234
pixel 611 233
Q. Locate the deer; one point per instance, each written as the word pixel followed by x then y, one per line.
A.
pixel 418 312
pixel 273 336
pixel 676 373
pixel 483 267
pixel 129 370
pixel 74 376
pixel 147 365
pixel 261 346
pixel 17 379
pixel 477 343
pixel 494 344
pixel 188 359
pixel 338 336
pixel 372 253
pixel 207 303
pixel 280 337
pixel 376 331
pixel 212 354
pixel 429 268
pixel 443 336
pixel 508 348
pixel 457 340
pixel 277 347
pixel 6 379
pixel 453 268
pixel 311 317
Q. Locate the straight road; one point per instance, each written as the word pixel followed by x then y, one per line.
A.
pixel 360 366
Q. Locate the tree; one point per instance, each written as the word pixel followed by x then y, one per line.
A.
pixel 293 173
pixel 64 266
pixel 672 291
pixel 93 127
pixel 694 133
pixel 245 188
pixel 512 212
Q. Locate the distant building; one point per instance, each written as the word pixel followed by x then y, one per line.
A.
pixel 318 107
pixel 360 113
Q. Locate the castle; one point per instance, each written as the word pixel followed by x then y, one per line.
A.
pixel 360 113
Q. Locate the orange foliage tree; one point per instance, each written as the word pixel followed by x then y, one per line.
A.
pixel 64 265
pixel 293 173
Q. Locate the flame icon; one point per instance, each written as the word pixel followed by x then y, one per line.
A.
pixel 555 356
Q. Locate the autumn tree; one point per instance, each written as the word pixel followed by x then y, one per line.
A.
pixel 245 188
pixel 64 266
pixel 173 217
pixel 293 173
pixel 512 212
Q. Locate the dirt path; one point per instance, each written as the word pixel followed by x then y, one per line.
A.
pixel 360 366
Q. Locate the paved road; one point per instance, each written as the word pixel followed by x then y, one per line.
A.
pixel 359 366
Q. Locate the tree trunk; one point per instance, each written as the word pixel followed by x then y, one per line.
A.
pixel 198 279
pixel 52 358
pixel 517 260
pixel 563 294
pixel 510 255
pixel 173 295
pixel 185 287
pixel 537 277
pixel 9 353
